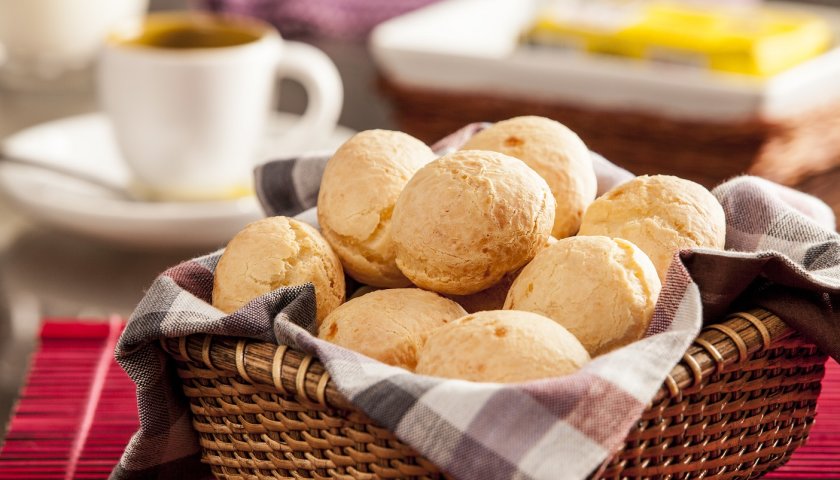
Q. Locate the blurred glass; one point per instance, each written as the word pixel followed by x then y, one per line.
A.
pixel 46 44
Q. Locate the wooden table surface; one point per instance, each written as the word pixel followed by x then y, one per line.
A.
pixel 825 186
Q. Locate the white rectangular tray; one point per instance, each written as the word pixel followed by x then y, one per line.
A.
pixel 472 45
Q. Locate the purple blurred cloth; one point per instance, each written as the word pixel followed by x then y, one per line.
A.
pixel 345 19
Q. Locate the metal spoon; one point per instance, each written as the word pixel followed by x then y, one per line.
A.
pixel 117 190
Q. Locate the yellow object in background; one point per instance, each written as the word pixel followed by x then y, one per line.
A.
pixel 756 41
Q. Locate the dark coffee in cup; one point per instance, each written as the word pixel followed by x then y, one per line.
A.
pixel 184 32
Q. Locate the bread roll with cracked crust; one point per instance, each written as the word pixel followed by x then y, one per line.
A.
pixel 553 151
pixel 468 218
pixel 277 252
pixel 389 325
pixel 503 346
pixel 359 188
pixel 601 289
pixel 661 214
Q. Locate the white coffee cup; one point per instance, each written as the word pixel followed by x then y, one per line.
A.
pixel 189 93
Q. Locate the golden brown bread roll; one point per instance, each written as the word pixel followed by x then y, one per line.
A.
pixel 501 346
pixel 601 289
pixel 553 151
pixel 277 252
pixel 468 218
pixel 389 325
pixel 359 188
pixel 660 214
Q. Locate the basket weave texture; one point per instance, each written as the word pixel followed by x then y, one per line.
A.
pixel 785 150
pixel 739 403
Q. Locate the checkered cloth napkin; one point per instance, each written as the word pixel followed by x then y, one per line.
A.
pixel 782 254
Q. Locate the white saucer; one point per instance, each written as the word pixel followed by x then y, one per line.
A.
pixel 85 142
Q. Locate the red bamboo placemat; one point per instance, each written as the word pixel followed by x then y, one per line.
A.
pixel 78 411
pixel 820 457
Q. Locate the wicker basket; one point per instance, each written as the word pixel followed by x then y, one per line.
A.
pixel 739 403
pixel 783 150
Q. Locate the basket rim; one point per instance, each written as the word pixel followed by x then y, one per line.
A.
pixel 719 348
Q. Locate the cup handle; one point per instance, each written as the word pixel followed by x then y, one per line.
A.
pixel 325 95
